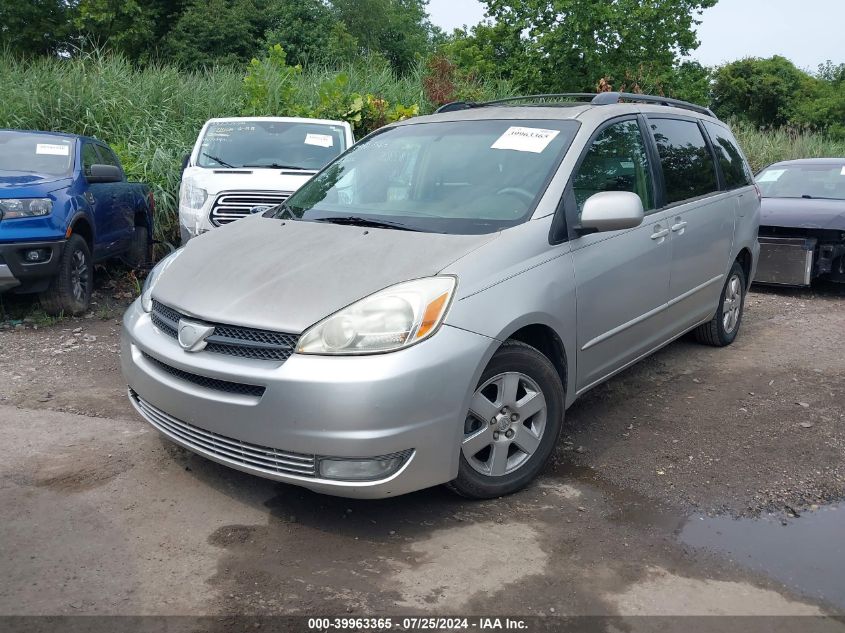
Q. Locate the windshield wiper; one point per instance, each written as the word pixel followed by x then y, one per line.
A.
pixel 217 160
pixel 279 166
pixel 357 220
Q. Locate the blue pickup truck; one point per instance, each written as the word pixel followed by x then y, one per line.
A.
pixel 65 204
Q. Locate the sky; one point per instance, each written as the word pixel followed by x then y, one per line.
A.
pixel 808 32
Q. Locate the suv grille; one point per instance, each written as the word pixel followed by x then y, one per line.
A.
pixel 238 388
pixel 233 340
pixel 253 456
pixel 234 205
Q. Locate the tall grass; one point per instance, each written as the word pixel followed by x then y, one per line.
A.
pixel 764 147
pixel 151 115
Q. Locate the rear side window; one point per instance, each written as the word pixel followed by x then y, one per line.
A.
pixel 688 167
pixel 615 161
pixel 736 171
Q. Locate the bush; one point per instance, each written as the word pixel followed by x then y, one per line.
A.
pixel 764 147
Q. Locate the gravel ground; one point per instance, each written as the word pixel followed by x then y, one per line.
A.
pixel 111 518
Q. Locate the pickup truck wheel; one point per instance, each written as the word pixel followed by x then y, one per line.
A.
pixel 513 424
pixel 140 251
pixel 723 328
pixel 70 290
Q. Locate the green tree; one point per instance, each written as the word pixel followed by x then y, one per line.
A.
pixel 211 32
pixel 304 28
pixel 763 91
pixel 35 27
pixel 569 45
pixel 398 29
pixel 132 27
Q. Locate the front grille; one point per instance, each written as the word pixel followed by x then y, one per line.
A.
pixel 234 205
pixel 225 386
pixel 234 340
pixel 253 456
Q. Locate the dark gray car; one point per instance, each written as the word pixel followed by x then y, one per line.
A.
pixel 424 309
pixel 802 222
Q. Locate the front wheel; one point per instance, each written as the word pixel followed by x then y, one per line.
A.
pixel 513 424
pixel 722 329
pixel 70 290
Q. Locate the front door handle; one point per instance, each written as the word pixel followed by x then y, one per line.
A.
pixel 660 233
pixel 678 226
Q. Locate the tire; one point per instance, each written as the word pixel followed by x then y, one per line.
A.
pixel 140 251
pixel 723 328
pixel 493 463
pixel 69 292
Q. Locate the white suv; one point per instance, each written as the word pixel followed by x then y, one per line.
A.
pixel 241 166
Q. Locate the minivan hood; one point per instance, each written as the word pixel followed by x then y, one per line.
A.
pixel 285 276
pixel 803 213
pixel 248 179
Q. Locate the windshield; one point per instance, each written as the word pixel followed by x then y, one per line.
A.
pixel 272 144
pixel 36 153
pixel 819 180
pixel 448 177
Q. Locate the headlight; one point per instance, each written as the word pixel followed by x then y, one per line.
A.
pixel 388 320
pixel 12 208
pixel 152 279
pixel 192 196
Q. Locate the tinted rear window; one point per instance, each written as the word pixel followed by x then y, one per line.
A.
pixel 688 168
pixel 736 172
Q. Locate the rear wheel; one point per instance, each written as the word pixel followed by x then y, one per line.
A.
pixel 513 424
pixel 140 251
pixel 70 290
pixel 724 327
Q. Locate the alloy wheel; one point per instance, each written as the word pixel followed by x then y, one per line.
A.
pixel 79 276
pixel 732 304
pixel 505 424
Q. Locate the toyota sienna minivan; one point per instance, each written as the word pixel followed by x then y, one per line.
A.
pixel 424 310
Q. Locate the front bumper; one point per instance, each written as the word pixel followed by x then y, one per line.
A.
pixel 414 400
pixel 16 271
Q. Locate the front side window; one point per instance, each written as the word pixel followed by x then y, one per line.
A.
pixel 107 157
pixel 736 171
pixel 615 161
pixel 40 154
pixel 89 157
pixel 446 176
pixel 804 180
pixel 688 167
pixel 260 143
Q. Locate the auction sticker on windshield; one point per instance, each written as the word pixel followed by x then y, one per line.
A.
pixel 323 140
pixel 49 148
pixel 525 139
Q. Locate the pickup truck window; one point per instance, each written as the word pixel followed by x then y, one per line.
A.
pixel 36 153
pixel 89 157
pixel 271 144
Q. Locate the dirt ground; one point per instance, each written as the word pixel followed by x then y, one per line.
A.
pixel 103 516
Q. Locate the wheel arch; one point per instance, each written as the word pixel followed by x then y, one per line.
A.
pixel 82 226
pixel 746 260
pixel 546 340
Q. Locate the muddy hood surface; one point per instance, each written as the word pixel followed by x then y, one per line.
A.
pixel 285 276
pixel 803 213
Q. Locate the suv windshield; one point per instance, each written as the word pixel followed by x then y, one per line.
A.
pixel 272 144
pixel 41 154
pixel 819 180
pixel 448 177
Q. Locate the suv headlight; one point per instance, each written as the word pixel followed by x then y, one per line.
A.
pixel 152 279
pixel 191 196
pixel 12 208
pixel 391 319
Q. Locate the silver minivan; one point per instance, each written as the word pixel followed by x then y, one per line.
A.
pixel 425 308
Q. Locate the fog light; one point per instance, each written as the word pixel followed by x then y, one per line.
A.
pixel 364 469
pixel 36 255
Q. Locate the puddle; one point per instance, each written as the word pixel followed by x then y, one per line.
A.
pixel 807 554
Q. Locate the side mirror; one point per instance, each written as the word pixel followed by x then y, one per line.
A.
pixel 104 173
pixel 612 211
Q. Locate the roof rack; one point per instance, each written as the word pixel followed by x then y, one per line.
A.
pixel 601 98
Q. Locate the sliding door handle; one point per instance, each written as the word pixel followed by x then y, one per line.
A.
pixel 678 226
pixel 660 234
